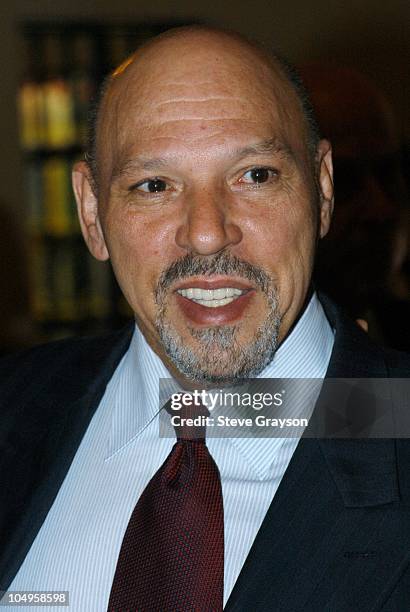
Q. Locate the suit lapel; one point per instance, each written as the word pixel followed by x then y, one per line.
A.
pixel 315 553
pixel 37 456
pixel 335 535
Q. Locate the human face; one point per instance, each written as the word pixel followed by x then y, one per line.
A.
pixel 211 197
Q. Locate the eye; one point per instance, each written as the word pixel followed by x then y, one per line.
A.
pixel 153 185
pixel 257 176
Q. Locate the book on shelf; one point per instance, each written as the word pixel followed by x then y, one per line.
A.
pixel 63 68
pixel 58 217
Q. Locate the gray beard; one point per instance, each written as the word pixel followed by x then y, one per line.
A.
pixel 219 357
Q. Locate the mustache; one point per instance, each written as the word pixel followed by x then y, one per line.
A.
pixel 221 263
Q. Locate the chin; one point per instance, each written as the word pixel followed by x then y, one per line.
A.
pixel 221 355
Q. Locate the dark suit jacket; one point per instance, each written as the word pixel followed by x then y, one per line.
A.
pixel 337 535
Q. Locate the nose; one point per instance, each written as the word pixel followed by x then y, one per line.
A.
pixel 207 227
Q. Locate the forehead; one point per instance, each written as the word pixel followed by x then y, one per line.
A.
pixel 194 94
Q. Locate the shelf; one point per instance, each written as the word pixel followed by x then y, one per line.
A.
pixel 64 64
pixel 45 153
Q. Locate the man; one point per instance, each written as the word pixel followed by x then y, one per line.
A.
pixel 208 189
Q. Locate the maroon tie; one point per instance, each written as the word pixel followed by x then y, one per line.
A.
pixel 172 554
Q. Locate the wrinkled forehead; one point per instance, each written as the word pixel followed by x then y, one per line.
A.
pixel 170 88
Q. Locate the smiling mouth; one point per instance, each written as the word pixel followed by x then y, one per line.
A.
pixel 212 298
pixel 214 301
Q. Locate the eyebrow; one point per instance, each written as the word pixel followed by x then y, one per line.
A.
pixel 264 147
pixel 141 163
pixel 272 145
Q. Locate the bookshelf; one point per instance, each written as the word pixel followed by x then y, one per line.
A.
pixel 64 63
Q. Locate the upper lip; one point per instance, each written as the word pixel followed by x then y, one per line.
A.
pixel 214 283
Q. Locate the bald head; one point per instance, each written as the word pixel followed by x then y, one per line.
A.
pixel 192 64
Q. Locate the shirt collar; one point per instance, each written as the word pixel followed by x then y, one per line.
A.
pixel 304 354
pixel 306 351
pixel 137 392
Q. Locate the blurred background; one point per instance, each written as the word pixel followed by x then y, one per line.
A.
pixel 354 57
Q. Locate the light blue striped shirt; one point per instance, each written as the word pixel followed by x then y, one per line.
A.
pixel 77 547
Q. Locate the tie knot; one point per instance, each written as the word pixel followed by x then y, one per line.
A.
pixel 189 420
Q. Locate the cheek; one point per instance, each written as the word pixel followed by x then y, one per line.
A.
pixel 282 240
pixel 138 255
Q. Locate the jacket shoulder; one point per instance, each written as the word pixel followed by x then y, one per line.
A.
pixel 355 354
pixel 61 363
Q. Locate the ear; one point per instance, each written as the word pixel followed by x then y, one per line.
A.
pixel 87 207
pixel 325 180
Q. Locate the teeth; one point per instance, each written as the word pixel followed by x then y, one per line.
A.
pixel 220 294
pixel 211 297
pixel 214 303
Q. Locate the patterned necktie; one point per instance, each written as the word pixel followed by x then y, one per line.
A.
pixel 172 554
